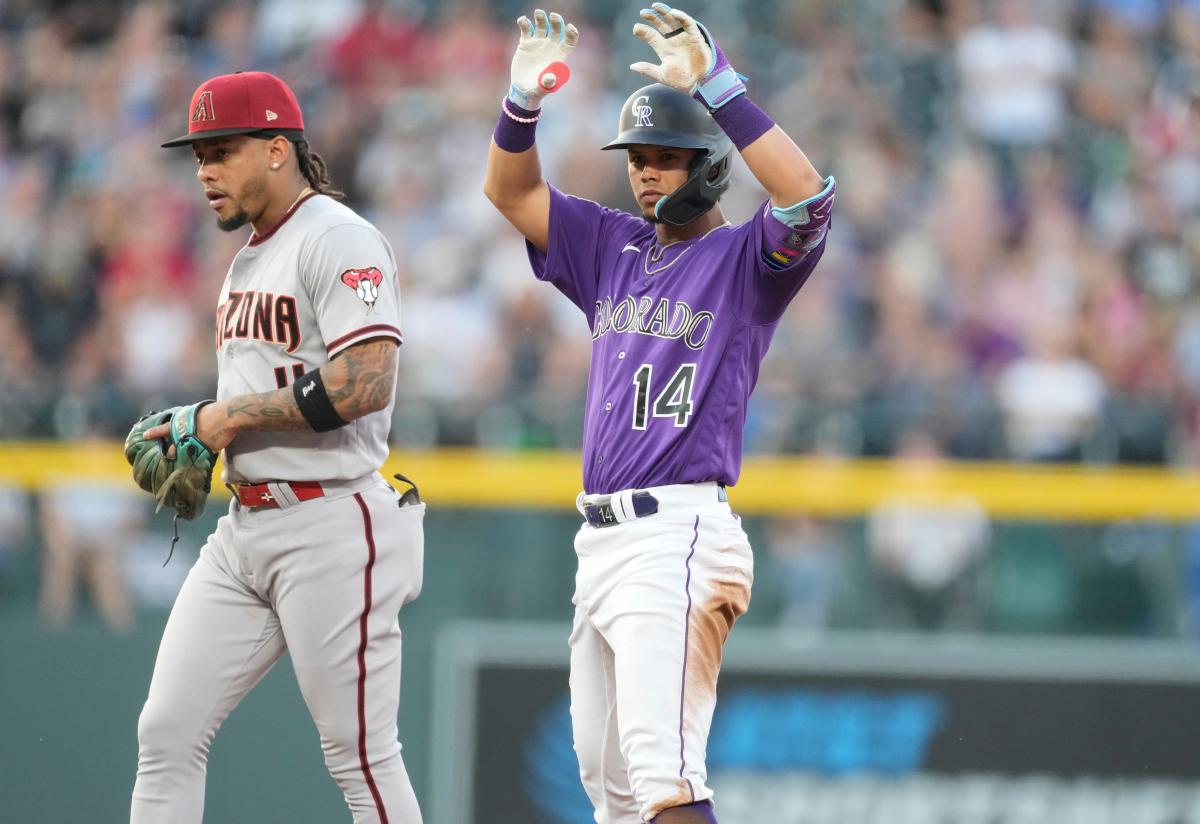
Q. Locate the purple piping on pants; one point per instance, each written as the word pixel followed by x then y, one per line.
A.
pixel 687 626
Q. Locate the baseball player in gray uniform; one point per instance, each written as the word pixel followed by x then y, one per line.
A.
pixel 682 306
pixel 317 552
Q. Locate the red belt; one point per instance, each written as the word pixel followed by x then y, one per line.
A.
pixel 260 496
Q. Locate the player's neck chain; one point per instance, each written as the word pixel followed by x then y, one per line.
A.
pixel 305 191
pixel 655 255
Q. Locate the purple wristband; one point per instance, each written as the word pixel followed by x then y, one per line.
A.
pixel 515 131
pixel 743 121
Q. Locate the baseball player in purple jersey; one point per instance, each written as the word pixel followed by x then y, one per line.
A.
pixel 682 306
pixel 317 553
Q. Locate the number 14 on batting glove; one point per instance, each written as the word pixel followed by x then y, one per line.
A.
pixel 692 62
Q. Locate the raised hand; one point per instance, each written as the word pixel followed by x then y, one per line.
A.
pixel 691 60
pixel 539 66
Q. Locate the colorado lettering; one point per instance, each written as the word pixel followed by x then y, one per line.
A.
pixel 259 316
pixel 672 320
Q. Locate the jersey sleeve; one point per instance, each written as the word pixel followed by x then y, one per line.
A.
pixel 781 250
pixel 349 273
pixel 581 232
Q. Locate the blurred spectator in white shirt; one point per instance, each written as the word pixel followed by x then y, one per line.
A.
pixel 1050 399
pixel 1014 70
pixel 925 542
pixel 1014 73
pixel 86 530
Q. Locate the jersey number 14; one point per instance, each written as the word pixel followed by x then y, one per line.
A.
pixel 674 401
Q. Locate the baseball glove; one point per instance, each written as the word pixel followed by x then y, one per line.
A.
pixel 181 480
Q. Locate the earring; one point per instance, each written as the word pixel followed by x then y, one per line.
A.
pixel 274 165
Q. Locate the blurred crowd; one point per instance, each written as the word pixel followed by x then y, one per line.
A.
pixel 1012 270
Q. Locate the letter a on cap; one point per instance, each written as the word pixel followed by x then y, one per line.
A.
pixel 204 108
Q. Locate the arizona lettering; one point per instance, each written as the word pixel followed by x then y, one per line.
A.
pixel 261 316
pixel 673 320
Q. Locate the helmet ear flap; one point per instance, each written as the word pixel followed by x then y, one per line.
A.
pixel 699 193
pixel 720 173
pixel 716 174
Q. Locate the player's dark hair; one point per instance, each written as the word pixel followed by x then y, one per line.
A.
pixel 313 167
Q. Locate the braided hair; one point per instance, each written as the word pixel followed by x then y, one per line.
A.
pixel 313 167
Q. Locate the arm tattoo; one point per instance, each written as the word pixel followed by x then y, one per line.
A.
pixel 359 381
pixel 275 411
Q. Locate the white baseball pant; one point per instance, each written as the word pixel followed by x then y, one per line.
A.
pixel 655 599
pixel 324 580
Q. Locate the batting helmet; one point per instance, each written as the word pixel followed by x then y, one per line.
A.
pixel 658 115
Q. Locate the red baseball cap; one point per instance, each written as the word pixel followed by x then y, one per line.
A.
pixel 242 103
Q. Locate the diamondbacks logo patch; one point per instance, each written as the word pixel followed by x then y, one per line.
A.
pixel 204 108
pixel 365 283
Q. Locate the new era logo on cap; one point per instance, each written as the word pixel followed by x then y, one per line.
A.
pixel 241 103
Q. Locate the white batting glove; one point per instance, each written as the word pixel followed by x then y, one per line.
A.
pixel 692 62
pixel 540 65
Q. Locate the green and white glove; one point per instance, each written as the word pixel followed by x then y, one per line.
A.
pixel 539 66
pixel 178 478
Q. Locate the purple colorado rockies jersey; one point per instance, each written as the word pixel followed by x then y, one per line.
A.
pixel 678 335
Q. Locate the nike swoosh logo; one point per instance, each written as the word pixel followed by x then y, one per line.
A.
pixel 629 247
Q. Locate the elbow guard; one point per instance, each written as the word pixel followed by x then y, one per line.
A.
pixel 802 226
pixel 811 214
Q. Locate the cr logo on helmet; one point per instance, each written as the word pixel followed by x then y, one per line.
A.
pixel 642 111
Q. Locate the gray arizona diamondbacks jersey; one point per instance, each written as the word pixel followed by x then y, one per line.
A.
pixel 322 280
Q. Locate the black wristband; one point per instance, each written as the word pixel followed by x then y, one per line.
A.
pixel 314 403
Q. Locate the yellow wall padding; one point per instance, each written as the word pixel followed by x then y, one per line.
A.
pixel 777 485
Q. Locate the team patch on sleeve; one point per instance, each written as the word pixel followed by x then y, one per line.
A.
pixel 795 246
pixel 364 283
pixel 785 254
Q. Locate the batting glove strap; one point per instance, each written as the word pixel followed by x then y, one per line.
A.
pixel 521 100
pixel 722 83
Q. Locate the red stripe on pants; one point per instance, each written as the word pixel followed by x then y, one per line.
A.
pixel 362 661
